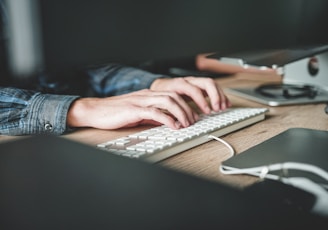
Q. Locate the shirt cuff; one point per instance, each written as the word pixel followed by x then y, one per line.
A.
pixel 47 113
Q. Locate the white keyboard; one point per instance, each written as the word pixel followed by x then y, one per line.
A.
pixel 158 143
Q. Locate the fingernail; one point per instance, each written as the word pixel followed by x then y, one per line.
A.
pixel 178 124
pixel 196 116
pixel 223 105
pixel 187 123
pixel 216 107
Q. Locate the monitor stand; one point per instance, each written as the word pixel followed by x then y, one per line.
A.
pixel 303 81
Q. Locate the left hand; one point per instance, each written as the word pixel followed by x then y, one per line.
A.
pixel 197 89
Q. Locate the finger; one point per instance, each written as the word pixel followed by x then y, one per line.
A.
pixel 184 88
pixel 195 92
pixel 223 102
pixel 212 90
pixel 192 115
pixel 169 103
pixel 218 99
pixel 154 116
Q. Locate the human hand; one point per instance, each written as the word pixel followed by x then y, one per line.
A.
pixel 197 89
pixel 140 107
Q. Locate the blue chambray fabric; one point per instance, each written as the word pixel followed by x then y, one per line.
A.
pixel 26 112
pixel 116 79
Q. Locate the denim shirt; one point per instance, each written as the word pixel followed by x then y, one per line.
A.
pixel 26 112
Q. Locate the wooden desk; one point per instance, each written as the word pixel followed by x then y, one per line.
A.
pixel 204 160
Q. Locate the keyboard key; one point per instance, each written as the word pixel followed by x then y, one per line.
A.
pixel 161 142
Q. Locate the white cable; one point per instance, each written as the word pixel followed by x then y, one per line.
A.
pixel 232 151
pixel 279 166
pixel 320 205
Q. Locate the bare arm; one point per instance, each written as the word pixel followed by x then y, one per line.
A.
pixel 141 107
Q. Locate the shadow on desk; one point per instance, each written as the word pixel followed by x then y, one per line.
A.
pixel 53 183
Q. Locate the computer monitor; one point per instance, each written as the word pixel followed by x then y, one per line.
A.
pixel 64 34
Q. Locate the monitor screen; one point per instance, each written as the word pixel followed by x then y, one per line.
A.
pixel 63 34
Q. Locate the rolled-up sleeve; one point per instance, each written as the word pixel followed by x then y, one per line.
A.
pixel 26 112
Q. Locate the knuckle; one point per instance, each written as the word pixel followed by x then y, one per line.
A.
pixel 210 81
pixel 168 99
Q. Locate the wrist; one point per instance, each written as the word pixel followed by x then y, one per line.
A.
pixel 77 113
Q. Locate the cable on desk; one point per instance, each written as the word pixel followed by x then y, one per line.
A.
pixel 318 190
pixel 232 151
pixel 263 171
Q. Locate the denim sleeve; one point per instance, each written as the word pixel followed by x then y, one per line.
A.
pixel 116 79
pixel 26 112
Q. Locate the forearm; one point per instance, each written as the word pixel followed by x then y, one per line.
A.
pixel 25 112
